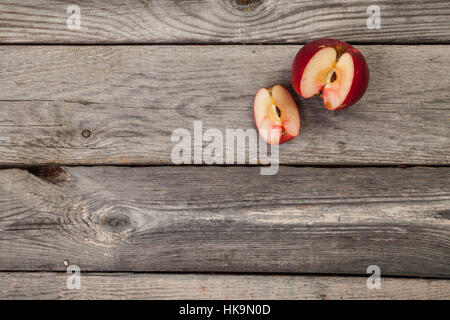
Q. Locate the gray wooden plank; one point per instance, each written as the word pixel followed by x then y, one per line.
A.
pixel 206 21
pixel 20 285
pixel 226 219
pixel 132 98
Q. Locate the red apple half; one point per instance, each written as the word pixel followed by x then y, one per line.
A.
pixel 276 115
pixel 331 69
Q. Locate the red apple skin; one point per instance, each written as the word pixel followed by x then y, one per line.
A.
pixel 361 76
pixel 305 54
pixel 285 138
pixel 360 79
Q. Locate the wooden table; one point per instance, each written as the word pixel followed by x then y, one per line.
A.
pixel 86 179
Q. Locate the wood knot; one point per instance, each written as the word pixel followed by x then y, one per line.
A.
pixel 443 214
pixel 246 5
pixel 342 146
pixel 116 222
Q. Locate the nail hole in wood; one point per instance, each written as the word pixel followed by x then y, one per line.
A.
pixel 86 133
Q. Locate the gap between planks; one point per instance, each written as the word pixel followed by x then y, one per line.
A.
pixel 225 44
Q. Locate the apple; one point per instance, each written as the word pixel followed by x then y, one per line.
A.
pixel 331 69
pixel 276 115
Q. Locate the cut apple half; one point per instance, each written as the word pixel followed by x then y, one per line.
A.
pixel 276 115
pixel 317 72
pixel 331 69
pixel 339 82
pixel 329 76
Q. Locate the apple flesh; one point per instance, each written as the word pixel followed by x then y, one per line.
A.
pixel 333 70
pixel 276 115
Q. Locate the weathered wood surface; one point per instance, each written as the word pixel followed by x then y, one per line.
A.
pixel 45 285
pixel 223 21
pixel 131 98
pixel 226 219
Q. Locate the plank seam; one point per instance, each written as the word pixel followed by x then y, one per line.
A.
pixel 356 43
pixel 306 165
pixel 262 274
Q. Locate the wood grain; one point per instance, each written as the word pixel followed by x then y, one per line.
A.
pixel 223 21
pixel 226 219
pixel 20 285
pixel 128 100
